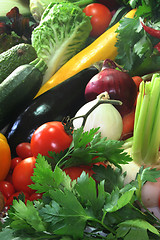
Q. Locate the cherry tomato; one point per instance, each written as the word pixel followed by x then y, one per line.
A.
pixel 100 163
pixel 22 173
pixel 15 195
pixel 15 161
pixel 35 196
pixel 23 150
pixel 101 17
pixel 50 136
pixel 9 177
pixel 6 188
pixel 75 172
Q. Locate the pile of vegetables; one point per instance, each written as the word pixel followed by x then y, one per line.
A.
pixel 65 164
pixel 95 205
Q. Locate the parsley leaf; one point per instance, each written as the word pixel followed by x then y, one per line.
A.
pixel 45 178
pixel 137 55
pixel 88 145
pixel 25 217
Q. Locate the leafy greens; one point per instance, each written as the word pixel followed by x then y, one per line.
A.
pixel 100 207
pixel 138 55
pixel 61 33
pixel 37 7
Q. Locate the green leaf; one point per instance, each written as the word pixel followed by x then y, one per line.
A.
pixel 81 139
pixel 113 177
pixel 71 217
pixel 26 216
pixel 114 202
pixel 45 178
pixel 150 175
pixel 127 233
pixel 87 190
pixel 137 56
pixel 140 223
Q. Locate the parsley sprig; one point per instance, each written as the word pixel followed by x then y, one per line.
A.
pixel 88 145
pixel 82 209
pixel 101 207
pixel 138 54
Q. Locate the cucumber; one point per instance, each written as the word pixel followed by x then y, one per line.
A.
pixel 14 57
pixel 19 88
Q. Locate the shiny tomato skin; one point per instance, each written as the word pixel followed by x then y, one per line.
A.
pixel 101 17
pixel 21 176
pixel 9 201
pixel 76 171
pixel 6 188
pixel 15 161
pixel 23 150
pixel 50 136
pixel 35 196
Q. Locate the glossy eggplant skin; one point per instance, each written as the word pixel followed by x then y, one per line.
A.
pixel 61 101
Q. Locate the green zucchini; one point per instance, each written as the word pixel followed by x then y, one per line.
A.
pixel 19 88
pixel 14 57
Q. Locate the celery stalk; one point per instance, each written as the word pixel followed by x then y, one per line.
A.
pixel 151 118
pixel 138 135
pixel 139 103
pixel 146 136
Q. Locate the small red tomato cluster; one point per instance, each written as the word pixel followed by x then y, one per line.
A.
pixel 19 176
pixel 50 136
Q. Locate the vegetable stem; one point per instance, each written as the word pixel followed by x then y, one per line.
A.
pixel 138 135
pixel 146 136
pixel 40 64
pixel 101 99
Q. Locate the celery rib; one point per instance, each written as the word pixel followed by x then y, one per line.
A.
pixel 146 136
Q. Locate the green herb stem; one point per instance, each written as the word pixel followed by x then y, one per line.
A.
pixel 110 229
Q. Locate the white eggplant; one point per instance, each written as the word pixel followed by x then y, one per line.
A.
pixel 105 116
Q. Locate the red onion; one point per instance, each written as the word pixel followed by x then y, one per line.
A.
pixel 118 83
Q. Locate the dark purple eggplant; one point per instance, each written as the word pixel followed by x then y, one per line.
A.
pixel 61 101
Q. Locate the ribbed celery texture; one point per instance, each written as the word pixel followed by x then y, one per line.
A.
pixel 146 136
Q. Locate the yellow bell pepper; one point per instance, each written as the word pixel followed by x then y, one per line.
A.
pixel 5 157
pixel 102 48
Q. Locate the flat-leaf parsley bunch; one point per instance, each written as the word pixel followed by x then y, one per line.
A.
pixel 87 208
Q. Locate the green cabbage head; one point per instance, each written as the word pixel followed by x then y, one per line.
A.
pixel 61 33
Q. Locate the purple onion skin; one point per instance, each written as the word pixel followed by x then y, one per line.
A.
pixel 118 84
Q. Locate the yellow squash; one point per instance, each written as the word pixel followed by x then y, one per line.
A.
pixel 102 48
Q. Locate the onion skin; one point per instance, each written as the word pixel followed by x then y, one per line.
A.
pixel 118 84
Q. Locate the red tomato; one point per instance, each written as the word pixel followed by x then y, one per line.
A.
pixel 23 150
pixel 100 163
pixel 22 173
pixel 15 195
pixel 9 177
pixel 75 172
pixel 35 196
pixel 6 188
pixel 50 136
pixel 101 17
pixel 15 161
